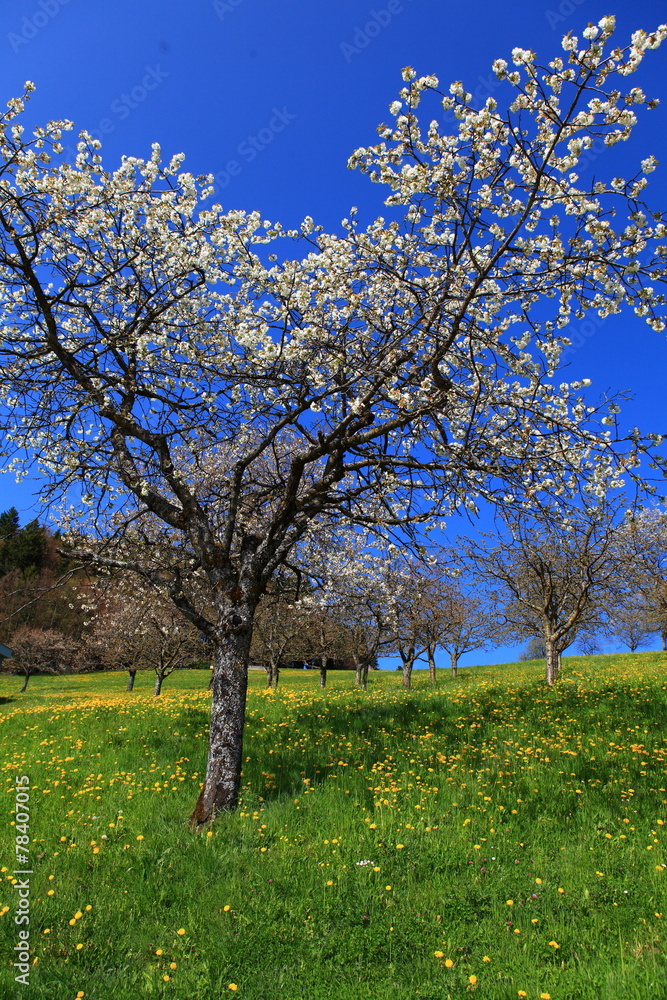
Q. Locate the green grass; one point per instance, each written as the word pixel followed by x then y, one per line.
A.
pixel 464 796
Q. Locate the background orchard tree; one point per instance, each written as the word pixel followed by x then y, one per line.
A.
pixel 463 619
pixel 278 627
pixel 42 651
pixel 643 560
pixel 553 579
pixel 387 376
pixel 135 627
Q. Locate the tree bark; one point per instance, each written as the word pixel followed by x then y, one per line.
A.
pixel 220 791
pixel 364 676
pixel 454 660
pixel 358 667
pixel 158 684
pixel 25 683
pixel 552 661
pixel 130 680
pixel 272 675
pixel 323 671
pixel 663 635
pixel 408 663
pixel 430 652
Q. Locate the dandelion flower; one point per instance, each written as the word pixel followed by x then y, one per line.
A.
pixel 554 944
pixel 181 931
pixel 233 987
pixel 439 954
pixel 449 963
pixel 173 965
pixel 159 951
pixel 140 837
pixel 510 902
pixel 79 947
pixel 227 908
pixel 472 980
pixel 486 959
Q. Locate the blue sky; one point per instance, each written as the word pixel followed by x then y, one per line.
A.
pixel 273 97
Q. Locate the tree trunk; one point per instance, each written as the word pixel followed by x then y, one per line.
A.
pixel 220 791
pixel 358 668
pixel 408 662
pixel 130 680
pixel 454 660
pixel 364 676
pixel 552 661
pixel 430 652
pixel 158 684
pixel 663 635
pixel 25 683
pixel 272 675
pixel 323 672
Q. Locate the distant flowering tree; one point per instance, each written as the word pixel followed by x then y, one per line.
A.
pixel 642 549
pixel 134 626
pixel 387 376
pixel 555 579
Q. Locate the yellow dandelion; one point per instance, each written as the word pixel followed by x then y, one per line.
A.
pixel 78 915
pixel 388 888
pixel 79 947
pixel 472 980
pixel 159 951
pixel 399 847
pixel 486 958
pixel 439 954
pixel 233 987
pixel 140 837
pixel 181 931
pixel 227 908
pixel 510 902
pixel 448 962
pixel 330 882
pixel 545 996
pixel 165 979
pixel 554 944
pixel 173 965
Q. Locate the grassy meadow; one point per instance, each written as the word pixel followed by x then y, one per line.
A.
pixel 482 838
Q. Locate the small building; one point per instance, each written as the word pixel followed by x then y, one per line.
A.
pixel 5 652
